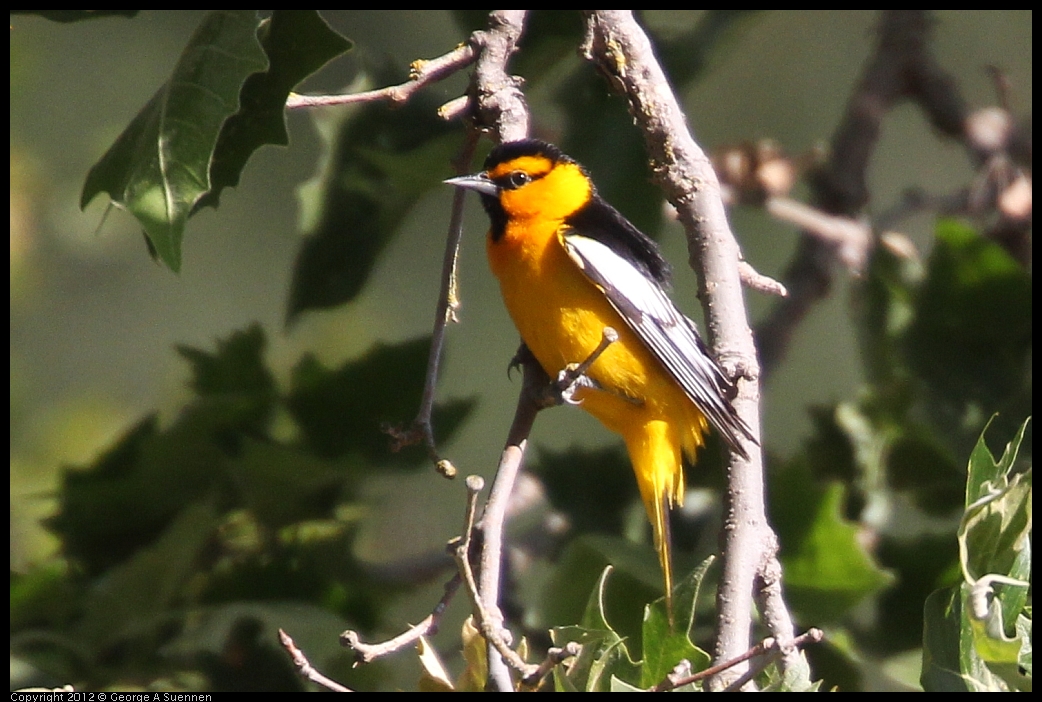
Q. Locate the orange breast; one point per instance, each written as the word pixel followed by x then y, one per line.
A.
pixel 561 315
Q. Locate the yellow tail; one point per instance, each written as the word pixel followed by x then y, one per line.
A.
pixel 655 452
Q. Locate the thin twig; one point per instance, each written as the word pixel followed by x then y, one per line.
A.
pixel 304 667
pixel 448 303
pixel 754 280
pixel 851 239
pixel 488 619
pixel 421 74
pixel 775 650
pixel 366 653
pixel 554 656
pixel 769 648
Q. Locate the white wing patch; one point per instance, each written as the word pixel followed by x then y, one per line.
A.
pixel 670 336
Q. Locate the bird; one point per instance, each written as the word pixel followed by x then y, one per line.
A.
pixel 569 266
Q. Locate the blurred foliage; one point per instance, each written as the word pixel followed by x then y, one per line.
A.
pixel 382 160
pixel 184 546
pixel 177 527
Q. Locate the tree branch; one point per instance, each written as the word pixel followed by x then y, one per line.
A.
pixel 498 105
pixel 902 67
pixel 304 667
pixel 496 95
pixel 620 48
pixel 421 74
pixel 448 303
pixel 488 616
pixel 769 649
pixel 367 653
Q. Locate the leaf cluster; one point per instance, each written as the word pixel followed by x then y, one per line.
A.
pixel 185 546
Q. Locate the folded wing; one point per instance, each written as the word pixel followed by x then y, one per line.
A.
pixel 670 336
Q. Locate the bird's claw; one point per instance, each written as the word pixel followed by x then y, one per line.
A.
pixel 569 381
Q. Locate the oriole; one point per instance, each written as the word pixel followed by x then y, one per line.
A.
pixel 570 265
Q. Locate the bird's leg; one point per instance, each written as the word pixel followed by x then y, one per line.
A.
pixel 573 377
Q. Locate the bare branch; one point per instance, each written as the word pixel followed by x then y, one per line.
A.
pixel 851 240
pixel 754 280
pixel 773 611
pixel 769 648
pixel 304 667
pixel 367 653
pixel 554 656
pixel 421 74
pixel 774 650
pixel 488 617
pixel 448 303
pixel 500 104
pixel 622 51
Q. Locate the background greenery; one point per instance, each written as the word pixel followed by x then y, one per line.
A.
pixel 267 435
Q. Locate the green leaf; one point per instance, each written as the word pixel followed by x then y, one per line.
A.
pixel 605 662
pixel 236 372
pixel 828 572
pixel 129 496
pixel 618 685
pixel 308 562
pixel 604 655
pixel 158 169
pixel 950 659
pixel 283 486
pixel 664 646
pixel 922 464
pixel 996 527
pixel 636 581
pixel 995 553
pixel 977 635
pixel 970 340
pixel 46 595
pixel 297 44
pixel 942 636
pixel 985 474
pixel 793 679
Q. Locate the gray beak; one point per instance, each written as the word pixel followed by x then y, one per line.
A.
pixel 478 182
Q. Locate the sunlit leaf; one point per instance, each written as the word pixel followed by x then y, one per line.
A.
pixel 159 167
pixel 297 44
pixel 665 645
pixel 225 99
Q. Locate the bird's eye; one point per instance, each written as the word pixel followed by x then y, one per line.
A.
pixel 517 179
